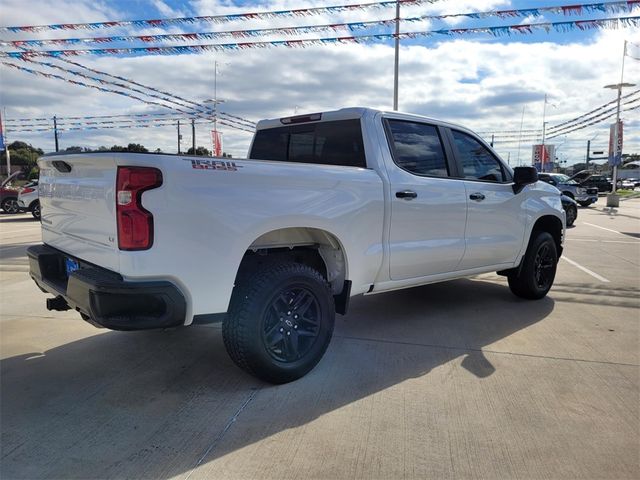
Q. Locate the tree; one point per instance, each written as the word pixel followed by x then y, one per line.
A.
pixel 136 148
pixel 75 149
pixel 200 152
pixel 22 154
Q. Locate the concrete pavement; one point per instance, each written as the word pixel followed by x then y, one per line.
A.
pixel 455 380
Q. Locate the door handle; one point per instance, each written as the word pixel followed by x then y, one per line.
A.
pixel 478 197
pixel 406 194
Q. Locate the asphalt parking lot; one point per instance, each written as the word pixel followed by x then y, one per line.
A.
pixel 454 380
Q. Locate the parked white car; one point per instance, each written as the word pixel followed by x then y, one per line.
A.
pixel 327 206
pixel 28 199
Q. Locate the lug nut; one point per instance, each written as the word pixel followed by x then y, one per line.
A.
pixel 282 329
pixel 295 326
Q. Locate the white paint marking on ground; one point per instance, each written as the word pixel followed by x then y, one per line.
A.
pixel 602 241
pixel 585 269
pixel 603 228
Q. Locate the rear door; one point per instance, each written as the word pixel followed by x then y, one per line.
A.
pixel 77 198
pixel 428 206
pixel 496 216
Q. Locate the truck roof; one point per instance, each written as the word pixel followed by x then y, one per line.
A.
pixel 347 113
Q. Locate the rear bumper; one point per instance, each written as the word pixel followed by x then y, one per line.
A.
pixel 103 296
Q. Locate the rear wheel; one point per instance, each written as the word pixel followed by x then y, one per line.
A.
pixel 10 205
pixel 538 269
pixel 35 210
pixel 280 322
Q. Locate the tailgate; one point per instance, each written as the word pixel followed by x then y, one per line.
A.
pixel 77 197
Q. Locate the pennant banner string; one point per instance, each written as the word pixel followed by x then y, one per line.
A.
pixel 562 131
pixel 574 120
pixel 9 120
pixel 153 89
pixel 300 12
pixel 108 127
pixel 109 90
pixel 496 31
pixel 611 7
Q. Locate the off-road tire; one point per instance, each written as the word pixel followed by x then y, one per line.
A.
pixel 256 298
pixel 541 255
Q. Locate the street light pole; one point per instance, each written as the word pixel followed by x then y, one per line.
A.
pixel 612 198
pixel 397 57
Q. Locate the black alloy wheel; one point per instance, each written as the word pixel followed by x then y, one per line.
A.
pixel 291 325
pixel 544 267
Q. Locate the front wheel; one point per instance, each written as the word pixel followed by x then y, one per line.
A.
pixel 585 203
pixel 280 322
pixel 10 205
pixel 538 269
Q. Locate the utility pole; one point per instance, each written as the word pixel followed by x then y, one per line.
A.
pixel 55 131
pixel 544 123
pixel 179 137
pixel 6 146
pixel 520 137
pixel 193 134
pixel 397 58
pixel 588 150
pixel 215 101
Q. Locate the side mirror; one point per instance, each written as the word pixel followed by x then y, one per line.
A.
pixel 523 176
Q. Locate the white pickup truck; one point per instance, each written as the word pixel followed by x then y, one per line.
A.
pixel 327 206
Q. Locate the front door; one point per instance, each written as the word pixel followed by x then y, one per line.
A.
pixel 496 216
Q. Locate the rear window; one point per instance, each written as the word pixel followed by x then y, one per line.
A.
pixel 327 143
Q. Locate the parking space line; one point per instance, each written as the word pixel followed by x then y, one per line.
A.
pixel 603 228
pixel 602 241
pixel 585 269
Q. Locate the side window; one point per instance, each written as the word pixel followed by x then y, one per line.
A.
pixel 477 162
pixel 418 148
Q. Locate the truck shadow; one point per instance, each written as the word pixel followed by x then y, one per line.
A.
pixel 152 404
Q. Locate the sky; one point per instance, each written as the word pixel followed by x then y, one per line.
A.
pixel 489 84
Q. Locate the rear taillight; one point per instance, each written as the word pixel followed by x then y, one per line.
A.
pixel 135 224
pixel 28 190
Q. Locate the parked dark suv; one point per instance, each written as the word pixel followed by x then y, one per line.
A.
pixel 588 179
pixel 585 196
